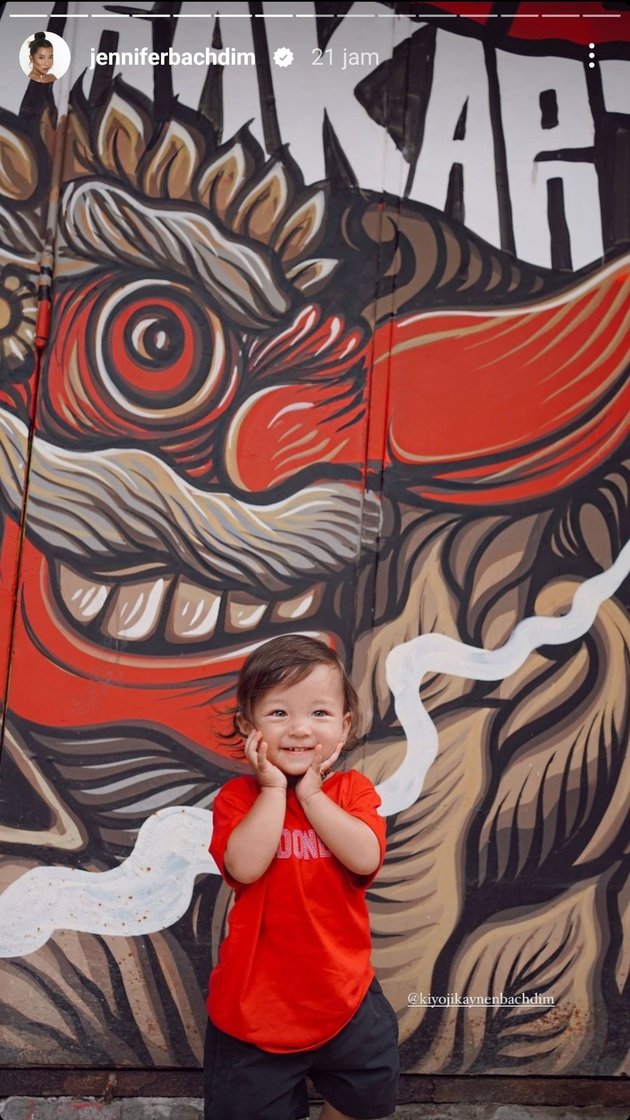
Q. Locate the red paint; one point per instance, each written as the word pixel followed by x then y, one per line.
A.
pixel 88 338
pixel 42 326
pixel 306 406
pixel 153 382
pixel 578 24
pixel 481 11
pixel 80 684
pixel 493 408
pixel 590 23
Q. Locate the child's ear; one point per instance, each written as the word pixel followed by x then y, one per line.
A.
pixel 244 726
pixel 347 724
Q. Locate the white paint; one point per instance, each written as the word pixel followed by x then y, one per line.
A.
pixel 150 890
pixel 408 663
pixel 304 92
pixel 615 74
pixel 521 81
pixel 459 74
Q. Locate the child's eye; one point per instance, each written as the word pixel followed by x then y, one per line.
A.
pixel 320 712
pixel 278 712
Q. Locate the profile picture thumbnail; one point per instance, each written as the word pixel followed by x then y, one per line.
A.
pixel 44 57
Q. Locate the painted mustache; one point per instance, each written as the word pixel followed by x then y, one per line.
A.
pixel 108 508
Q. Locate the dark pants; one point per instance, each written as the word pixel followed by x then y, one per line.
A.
pixel 356 1071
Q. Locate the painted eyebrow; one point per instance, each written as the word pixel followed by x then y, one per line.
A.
pixel 104 227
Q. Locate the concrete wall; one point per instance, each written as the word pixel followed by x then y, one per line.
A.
pixel 339 347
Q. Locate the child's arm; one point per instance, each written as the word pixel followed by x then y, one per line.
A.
pixel 253 843
pixel 350 839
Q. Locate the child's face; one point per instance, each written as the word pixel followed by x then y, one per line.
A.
pixel 295 718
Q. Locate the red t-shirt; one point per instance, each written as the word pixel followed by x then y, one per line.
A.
pixel 295 963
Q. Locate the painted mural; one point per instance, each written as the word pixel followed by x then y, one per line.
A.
pixel 325 331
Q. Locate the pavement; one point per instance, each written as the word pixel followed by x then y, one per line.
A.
pixel 189 1108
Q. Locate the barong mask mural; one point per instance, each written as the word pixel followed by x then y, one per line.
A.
pixel 275 396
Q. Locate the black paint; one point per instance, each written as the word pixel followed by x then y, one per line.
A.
pixel 548 108
pixel 558 228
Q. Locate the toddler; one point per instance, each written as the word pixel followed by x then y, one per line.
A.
pixel 294 991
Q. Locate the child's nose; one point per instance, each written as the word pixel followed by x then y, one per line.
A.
pixel 300 726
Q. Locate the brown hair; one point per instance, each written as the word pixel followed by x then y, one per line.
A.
pixel 288 660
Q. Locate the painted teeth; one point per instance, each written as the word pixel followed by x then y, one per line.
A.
pixel 290 610
pixel 83 598
pixel 135 610
pixel 194 612
pixel 243 612
pixel 133 605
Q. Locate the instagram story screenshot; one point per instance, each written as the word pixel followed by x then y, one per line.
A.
pixel 314 544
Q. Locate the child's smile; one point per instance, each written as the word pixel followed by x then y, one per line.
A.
pixel 296 718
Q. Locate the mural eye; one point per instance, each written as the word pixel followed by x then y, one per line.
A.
pixel 155 336
pixel 160 354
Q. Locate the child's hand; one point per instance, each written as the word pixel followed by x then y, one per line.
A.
pixel 311 780
pixel 267 774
